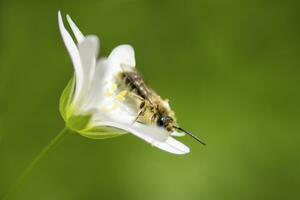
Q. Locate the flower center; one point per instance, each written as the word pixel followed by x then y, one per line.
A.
pixel 115 98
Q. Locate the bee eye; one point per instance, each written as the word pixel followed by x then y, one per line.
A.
pixel 164 120
pixel 160 121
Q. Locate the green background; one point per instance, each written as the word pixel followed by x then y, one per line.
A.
pixel 229 68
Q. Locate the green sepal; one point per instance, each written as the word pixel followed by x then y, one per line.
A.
pixel 78 122
pixel 101 132
pixel 65 100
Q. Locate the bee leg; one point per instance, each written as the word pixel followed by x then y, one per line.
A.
pixel 132 94
pixel 141 112
pixel 153 117
pixel 142 105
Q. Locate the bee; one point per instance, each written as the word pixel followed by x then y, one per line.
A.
pixel 152 108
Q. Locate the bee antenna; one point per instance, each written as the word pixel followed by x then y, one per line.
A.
pixel 190 134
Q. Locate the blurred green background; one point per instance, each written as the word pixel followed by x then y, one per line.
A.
pixel 230 69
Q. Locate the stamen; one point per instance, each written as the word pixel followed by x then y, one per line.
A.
pixel 104 109
pixel 121 95
pixel 109 93
pixel 114 106
pixel 114 87
pixel 112 91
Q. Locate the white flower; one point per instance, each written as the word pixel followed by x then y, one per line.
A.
pixel 92 105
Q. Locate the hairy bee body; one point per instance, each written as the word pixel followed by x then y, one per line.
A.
pixel 136 84
pixel 152 108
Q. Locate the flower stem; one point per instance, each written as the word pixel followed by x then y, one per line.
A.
pixel 33 163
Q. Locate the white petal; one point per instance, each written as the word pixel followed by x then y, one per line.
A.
pixel 123 55
pixel 172 146
pixel 156 136
pixel 75 56
pixel 77 33
pixel 106 73
pixel 120 58
pixel 88 50
pixel 177 134
pixel 150 134
pixel 96 91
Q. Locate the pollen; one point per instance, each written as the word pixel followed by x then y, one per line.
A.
pixel 104 109
pixel 121 96
pixel 114 106
pixel 114 87
pixel 111 92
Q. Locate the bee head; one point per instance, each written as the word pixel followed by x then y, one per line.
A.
pixel 166 122
pixel 170 125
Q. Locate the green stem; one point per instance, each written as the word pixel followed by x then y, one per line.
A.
pixel 33 163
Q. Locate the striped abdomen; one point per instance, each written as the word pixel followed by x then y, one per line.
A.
pixel 136 84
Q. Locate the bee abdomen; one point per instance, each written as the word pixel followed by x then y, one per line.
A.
pixel 136 84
